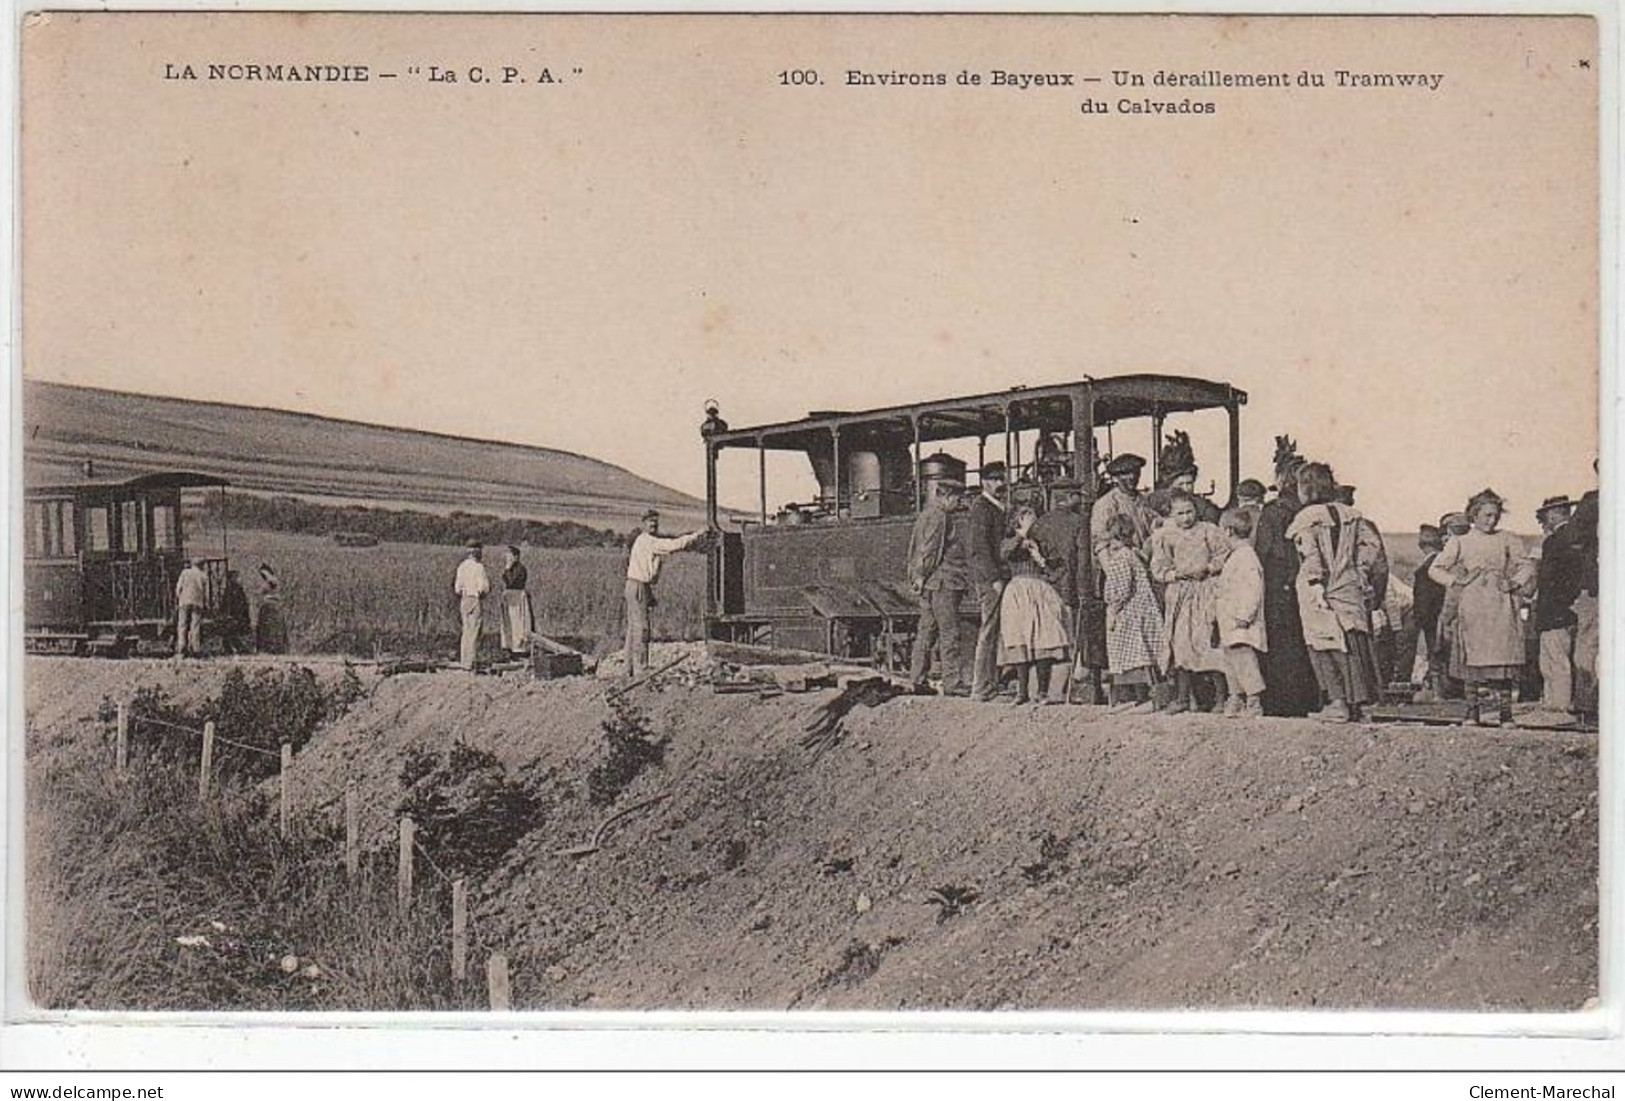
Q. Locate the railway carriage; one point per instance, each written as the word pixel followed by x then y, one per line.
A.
pixel 100 562
pixel 828 576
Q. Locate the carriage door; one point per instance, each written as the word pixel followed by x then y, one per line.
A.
pixel 167 554
pixel 137 576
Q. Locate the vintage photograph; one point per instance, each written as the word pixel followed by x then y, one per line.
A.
pixel 809 513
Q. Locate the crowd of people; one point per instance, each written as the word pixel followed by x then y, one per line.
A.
pixel 1281 606
pixel 243 630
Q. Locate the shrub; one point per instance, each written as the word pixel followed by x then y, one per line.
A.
pixel 468 811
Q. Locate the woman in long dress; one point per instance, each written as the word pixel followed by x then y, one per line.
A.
pixel 1134 638
pixel 1187 556
pixel 1492 570
pixel 270 628
pixel 1034 631
pixel 1338 553
pixel 518 620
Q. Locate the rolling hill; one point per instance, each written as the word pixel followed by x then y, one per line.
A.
pixel 273 451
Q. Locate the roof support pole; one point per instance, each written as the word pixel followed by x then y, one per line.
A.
pixel 761 477
pixel 835 434
pixel 711 485
pixel 1008 454
pixel 919 494
pixel 1157 417
pixel 1234 411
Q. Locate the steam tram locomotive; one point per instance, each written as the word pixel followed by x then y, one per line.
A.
pixel 830 577
pixel 100 561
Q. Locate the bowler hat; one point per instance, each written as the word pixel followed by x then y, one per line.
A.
pixel 994 470
pixel 1559 502
pixel 473 544
pixel 652 514
pixel 1125 464
pixel 1250 487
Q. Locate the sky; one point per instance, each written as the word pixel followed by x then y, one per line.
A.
pixel 1404 280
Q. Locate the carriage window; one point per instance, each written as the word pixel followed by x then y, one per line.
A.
pixel 164 534
pixel 36 529
pixel 68 544
pixel 129 527
pixel 97 535
pixel 50 529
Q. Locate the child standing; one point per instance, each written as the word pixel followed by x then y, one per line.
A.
pixel 1186 556
pixel 1241 617
pixel 1134 637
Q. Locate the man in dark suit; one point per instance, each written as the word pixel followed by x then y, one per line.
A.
pixel 1561 575
pixel 984 530
pixel 1062 536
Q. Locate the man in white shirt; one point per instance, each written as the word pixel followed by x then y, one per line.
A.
pixel 649 549
pixel 191 598
pixel 471 586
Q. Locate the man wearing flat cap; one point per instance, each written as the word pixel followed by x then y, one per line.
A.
pixel 1559 580
pixel 984 530
pixel 1123 499
pixel 471 585
pixel 937 573
pixel 649 550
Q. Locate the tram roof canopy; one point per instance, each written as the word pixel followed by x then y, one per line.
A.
pixel 1046 408
pixel 167 479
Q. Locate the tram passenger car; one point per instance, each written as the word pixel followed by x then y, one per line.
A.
pixel 829 576
pixel 100 563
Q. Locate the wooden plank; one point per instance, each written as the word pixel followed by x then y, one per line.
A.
pixel 459 932
pixel 496 982
pixel 352 832
pixel 403 871
pixel 285 814
pixel 739 653
pixel 206 763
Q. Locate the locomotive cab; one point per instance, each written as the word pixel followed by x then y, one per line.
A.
pixel 827 575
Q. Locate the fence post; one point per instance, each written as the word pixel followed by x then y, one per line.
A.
pixel 459 932
pixel 352 833
pixel 121 745
pixel 403 875
pixel 496 981
pixel 287 767
pixel 206 762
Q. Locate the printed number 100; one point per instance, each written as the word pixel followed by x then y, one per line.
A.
pixel 799 76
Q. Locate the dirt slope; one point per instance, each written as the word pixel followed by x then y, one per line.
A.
pixel 1099 861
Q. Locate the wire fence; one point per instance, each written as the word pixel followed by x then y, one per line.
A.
pixel 463 923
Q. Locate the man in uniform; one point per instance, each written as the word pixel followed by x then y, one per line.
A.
pixel 984 529
pixel 1123 499
pixel 649 550
pixel 471 585
pixel 937 575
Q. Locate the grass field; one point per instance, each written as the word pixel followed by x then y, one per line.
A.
pixel 397 596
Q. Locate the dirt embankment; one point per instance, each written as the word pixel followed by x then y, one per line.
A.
pixel 949 855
